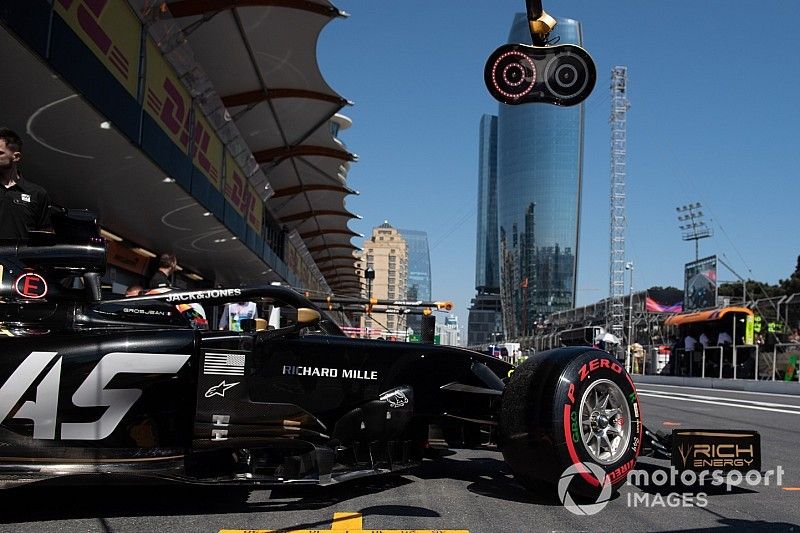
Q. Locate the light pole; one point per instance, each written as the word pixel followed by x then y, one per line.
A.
pixel 692 226
pixel 369 275
pixel 629 266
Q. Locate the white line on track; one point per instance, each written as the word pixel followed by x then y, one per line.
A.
pixel 717 402
pixel 703 397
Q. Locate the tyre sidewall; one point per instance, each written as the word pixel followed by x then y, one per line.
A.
pixel 580 374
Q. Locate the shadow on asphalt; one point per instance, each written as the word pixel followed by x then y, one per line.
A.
pixel 174 500
pixel 488 477
pixel 730 524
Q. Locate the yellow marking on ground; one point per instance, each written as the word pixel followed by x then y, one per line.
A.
pixel 791 488
pixel 345 523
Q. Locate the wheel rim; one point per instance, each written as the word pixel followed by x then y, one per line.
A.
pixel 605 421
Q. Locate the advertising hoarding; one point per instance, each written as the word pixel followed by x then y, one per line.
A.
pixel 700 284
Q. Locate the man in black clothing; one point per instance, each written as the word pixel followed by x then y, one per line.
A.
pixel 167 263
pixel 24 206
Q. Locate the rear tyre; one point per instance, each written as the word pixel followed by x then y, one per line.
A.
pixel 566 407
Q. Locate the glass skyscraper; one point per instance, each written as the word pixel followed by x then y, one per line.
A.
pixel 485 320
pixel 540 159
pixel 487 271
pixel 419 271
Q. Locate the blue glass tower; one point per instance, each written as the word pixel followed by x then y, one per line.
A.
pixel 540 165
pixel 485 320
pixel 487 271
pixel 419 270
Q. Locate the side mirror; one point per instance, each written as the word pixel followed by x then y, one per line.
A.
pixel 307 316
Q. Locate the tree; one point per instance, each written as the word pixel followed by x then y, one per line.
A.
pixel 758 289
pixel 791 285
pixel 755 290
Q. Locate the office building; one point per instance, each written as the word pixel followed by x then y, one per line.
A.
pixel 386 253
pixel 539 172
pixel 449 333
pixel 418 286
pixel 485 319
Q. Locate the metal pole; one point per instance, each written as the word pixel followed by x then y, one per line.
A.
pixel 644 362
pixel 755 371
pixel 774 355
pixel 734 346
pixel 630 320
pixel 703 372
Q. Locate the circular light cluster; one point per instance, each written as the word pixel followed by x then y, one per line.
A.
pixel 566 75
pixel 513 74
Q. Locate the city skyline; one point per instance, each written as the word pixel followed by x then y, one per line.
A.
pixel 696 132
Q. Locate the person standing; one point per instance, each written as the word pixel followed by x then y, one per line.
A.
pixel 167 264
pixel 704 340
pixel 24 206
pixel 234 313
pixel 689 345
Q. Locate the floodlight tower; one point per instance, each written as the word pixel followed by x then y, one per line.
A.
pixel 619 109
pixel 693 228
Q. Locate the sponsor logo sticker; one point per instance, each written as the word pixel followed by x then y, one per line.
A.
pixel 31 285
pixel 396 399
pixel 202 295
pixel 219 390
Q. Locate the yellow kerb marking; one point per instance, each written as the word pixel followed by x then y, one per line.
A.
pixel 345 523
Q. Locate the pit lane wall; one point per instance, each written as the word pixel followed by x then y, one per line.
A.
pixel 748 385
pixel 102 49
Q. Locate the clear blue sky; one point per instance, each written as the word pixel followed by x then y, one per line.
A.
pixel 714 118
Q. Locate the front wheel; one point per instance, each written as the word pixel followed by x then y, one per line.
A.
pixel 568 407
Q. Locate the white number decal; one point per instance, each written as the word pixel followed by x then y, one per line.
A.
pixel 91 393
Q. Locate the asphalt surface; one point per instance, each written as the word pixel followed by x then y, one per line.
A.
pixel 467 489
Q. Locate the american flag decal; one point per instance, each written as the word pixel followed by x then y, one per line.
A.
pixel 223 364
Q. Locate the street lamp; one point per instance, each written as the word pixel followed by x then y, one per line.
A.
pixel 369 275
pixel 629 266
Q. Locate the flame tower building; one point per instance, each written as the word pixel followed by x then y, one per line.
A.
pixel 539 173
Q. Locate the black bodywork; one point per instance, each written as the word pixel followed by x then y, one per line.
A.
pixel 129 387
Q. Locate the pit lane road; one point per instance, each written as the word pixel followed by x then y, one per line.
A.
pixel 465 489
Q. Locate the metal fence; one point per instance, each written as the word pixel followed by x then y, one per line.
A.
pixel 774 357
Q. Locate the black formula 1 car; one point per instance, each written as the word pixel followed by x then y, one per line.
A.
pixel 129 388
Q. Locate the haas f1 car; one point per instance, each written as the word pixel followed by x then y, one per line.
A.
pixel 128 388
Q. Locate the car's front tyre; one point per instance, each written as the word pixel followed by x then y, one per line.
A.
pixel 566 407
